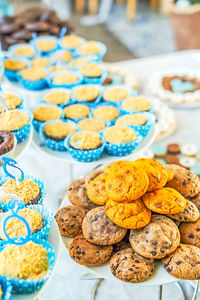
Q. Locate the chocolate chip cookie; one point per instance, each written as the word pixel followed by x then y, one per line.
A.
pixel 190 233
pixel 99 229
pixel 190 213
pixel 184 181
pixel 129 266
pixel 196 201
pixel 69 220
pixel 157 239
pixel 84 253
pixel 184 262
pixel 94 174
pixel 77 194
pixel 123 244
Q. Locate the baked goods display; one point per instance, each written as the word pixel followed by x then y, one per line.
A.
pixel 127 214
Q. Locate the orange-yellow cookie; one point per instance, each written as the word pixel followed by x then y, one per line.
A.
pixel 156 172
pixel 96 190
pixel 170 175
pixel 165 201
pixel 113 167
pixel 132 215
pixel 126 184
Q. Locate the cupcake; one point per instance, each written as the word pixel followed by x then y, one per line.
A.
pixel 76 111
pixel 106 112
pixel 85 146
pixel 53 133
pixel 116 93
pixel 33 78
pixel 57 68
pixel 91 125
pixel 45 44
pixel 71 42
pixel 27 266
pixel 12 100
pixel 137 103
pixel 17 121
pixel 61 56
pixel 31 191
pixel 45 112
pixel 22 50
pixel 93 73
pixel 40 62
pixel 142 122
pixel 92 48
pixel 7 142
pixel 78 62
pixel 87 93
pixel 121 140
pixel 12 66
pixel 57 96
pixel 65 79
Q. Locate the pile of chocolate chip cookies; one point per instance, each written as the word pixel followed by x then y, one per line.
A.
pixel 133 214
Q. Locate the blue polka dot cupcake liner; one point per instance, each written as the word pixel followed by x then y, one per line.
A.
pixel 96 80
pixel 64 85
pixel 33 85
pixel 6 288
pixel 107 123
pixel 89 103
pixel 101 53
pixel 84 155
pixel 125 111
pixel 23 133
pixel 23 286
pixel 37 124
pixel 47 216
pixel 131 91
pixel 53 144
pixel 33 42
pixel 40 183
pixel 68 91
pixel 105 104
pixel 90 59
pixel 123 149
pixel 73 50
pixel 13 75
pixel 12 49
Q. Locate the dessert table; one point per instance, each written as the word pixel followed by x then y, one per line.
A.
pixel 55 173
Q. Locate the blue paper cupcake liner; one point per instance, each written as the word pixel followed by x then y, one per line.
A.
pixel 44 37
pixel 101 53
pixel 84 155
pixel 6 288
pixel 60 90
pixel 90 57
pixel 131 91
pixel 125 111
pixel 96 80
pixel 47 216
pixel 144 129
pixel 105 104
pixel 13 75
pixel 70 85
pixel 37 124
pixel 123 149
pixel 72 50
pixel 96 101
pixel 41 184
pixel 22 286
pixel 23 133
pixel 52 144
pixel 12 48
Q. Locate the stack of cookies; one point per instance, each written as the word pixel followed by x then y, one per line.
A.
pixel 134 214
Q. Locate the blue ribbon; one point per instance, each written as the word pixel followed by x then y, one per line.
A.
pixel 63 31
pixel 11 163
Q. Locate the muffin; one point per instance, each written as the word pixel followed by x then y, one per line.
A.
pixel 71 41
pixel 40 62
pixel 44 113
pixel 57 97
pixel 23 50
pixel 93 72
pixel 132 120
pixel 12 100
pixel 65 79
pixel 46 44
pixel 58 130
pixel 56 68
pixel 86 93
pixel 90 47
pixel 33 78
pixel 76 111
pixel 91 125
pixel 78 62
pixel 13 120
pixel 106 113
pixel 12 66
pixel 115 94
pixel 137 103
pixel 62 56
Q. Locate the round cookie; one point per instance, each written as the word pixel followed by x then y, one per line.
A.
pixel 123 244
pixel 173 148
pixel 184 262
pixel 189 150
pixel 69 220
pixel 99 229
pixel 196 201
pixel 157 239
pixel 189 214
pixel 131 215
pixel 190 233
pixel 77 194
pixel 126 184
pixel 184 181
pixel 129 266
pixel 84 253
pixel 96 190
pixel 156 172
pixel 91 176
pixel 165 201
pixel 114 166
pixel 187 162
pixel 170 175
pixel 172 159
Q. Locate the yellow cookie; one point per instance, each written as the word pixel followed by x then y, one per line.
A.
pixel 96 190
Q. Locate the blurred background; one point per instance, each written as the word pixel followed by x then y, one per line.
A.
pixel 129 28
